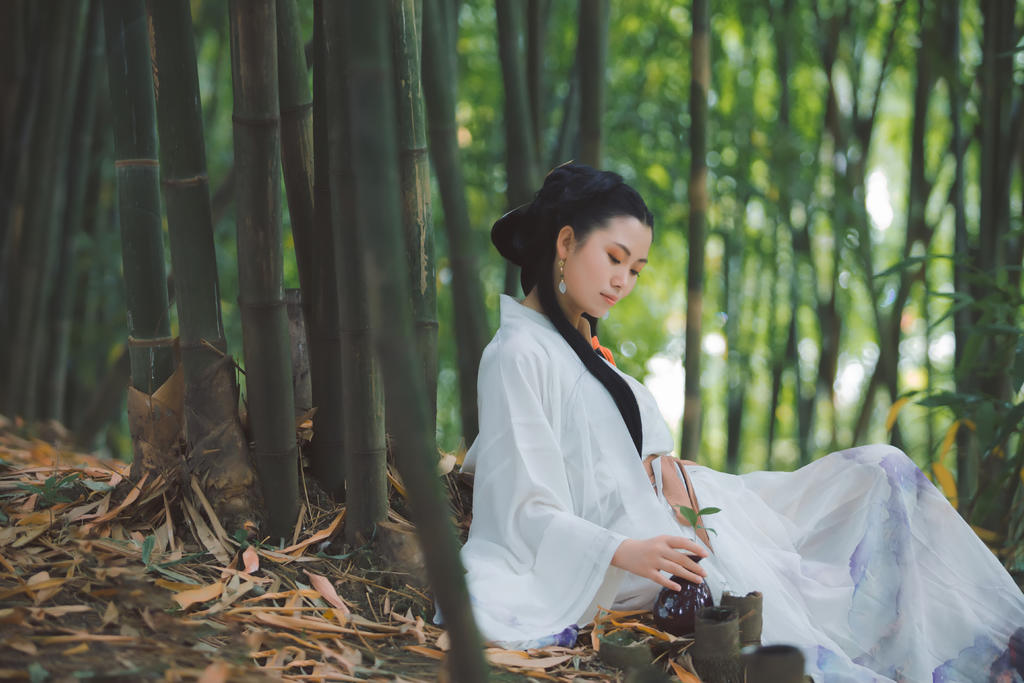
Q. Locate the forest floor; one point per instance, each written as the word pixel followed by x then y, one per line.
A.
pixel 105 580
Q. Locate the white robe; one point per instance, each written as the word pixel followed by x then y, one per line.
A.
pixel 862 562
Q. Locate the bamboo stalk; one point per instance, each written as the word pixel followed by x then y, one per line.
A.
pixel 363 399
pixel 264 318
pixel 537 14
pixel 296 101
pixel 46 199
pixel 134 124
pixel 79 167
pixel 379 221
pixel 187 193
pixel 327 456
pixel 407 24
pixel 698 197
pixel 593 54
pixel 470 316
pixel 520 141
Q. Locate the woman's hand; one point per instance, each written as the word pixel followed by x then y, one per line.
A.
pixel 649 557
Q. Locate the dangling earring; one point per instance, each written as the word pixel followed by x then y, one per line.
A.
pixel 561 276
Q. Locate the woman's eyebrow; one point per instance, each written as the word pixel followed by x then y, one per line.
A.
pixel 624 248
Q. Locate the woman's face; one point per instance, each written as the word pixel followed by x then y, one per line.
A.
pixel 602 269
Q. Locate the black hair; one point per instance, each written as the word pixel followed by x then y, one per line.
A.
pixel 585 199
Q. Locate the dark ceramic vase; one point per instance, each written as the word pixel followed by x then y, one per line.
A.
pixel 676 611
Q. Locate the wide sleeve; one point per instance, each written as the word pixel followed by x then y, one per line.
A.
pixel 534 565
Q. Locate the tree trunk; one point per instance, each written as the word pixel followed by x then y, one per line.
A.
pixel 470 316
pixel 593 53
pixel 366 484
pixel 260 280
pixel 372 123
pixel 327 449
pixel 700 80
pixel 520 161
pixel 407 35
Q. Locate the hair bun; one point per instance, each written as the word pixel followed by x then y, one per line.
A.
pixel 509 234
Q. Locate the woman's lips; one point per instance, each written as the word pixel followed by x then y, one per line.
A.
pixel 609 299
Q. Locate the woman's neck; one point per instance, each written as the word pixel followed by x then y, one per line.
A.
pixel 581 324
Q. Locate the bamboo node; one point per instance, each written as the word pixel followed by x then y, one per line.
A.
pixel 193 180
pixel 152 342
pixel 244 303
pixel 255 120
pixel 130 163
pixel 297 108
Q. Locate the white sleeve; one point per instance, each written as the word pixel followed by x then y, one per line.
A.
pixel 531 558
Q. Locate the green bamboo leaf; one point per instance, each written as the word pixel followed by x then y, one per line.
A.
pixel 147 548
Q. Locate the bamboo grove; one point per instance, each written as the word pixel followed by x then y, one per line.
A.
pixel 838 189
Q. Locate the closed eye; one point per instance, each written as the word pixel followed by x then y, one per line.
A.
pixel 614 260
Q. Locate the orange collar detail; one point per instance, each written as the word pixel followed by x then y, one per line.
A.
pixel 603 350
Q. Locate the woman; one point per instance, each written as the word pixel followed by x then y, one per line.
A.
pixel 862 562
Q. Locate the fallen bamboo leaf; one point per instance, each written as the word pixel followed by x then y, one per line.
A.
pixel 205 535
pixel 214 521
pixel 250 560
pixel 57 610
pixel 23 645
pixel 318 536
pixel 309 624
pixel 300 592
pixel 83 636
pixel 326 589
pixel 644 628
pixel 445 464
pixel 682 674
pixel 135 492
pixel 217 672
pixel 444 641
pixel 29 536
pixel 426 651
pixel 76 650
pixel 522 660
pixel 190 597
pixel 298 524
pixel 110 615
pixel 396 482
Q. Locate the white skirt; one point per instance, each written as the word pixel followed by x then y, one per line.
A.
pixel 866 567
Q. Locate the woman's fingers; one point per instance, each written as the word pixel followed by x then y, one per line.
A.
pixel 685 544
pixel 665 581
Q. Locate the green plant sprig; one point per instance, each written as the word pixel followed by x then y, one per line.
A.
pixel 694 518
